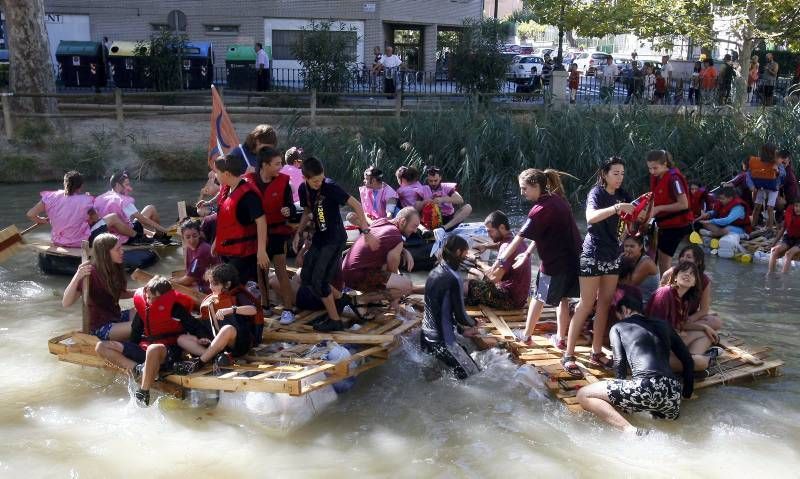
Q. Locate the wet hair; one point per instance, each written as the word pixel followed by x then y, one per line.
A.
pixel 698 254
pixel 606 167
pixel 374 173
pixel 768 153
pixel 191 224
pixel 232 163
pixel 112 275
pixel 312 167
pixel 727 192
pixel 72 182
pixel 662 157
pixel 159 285
pixel 694 292
pixel 267 154
pixel 292 155
pixel 224 274
pixel 627 296
pixel 497 218
pixel 408 173
pixel 449 253
pixel 118 178
pixel 261 134
pixel 549 180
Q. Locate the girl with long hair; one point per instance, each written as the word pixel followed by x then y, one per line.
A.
pixel 670 205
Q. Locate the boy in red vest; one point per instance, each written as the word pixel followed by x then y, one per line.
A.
pixel 789 234
pixel 161 313
pixel 730 215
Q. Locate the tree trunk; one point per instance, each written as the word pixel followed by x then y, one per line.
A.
pixel 571 39
pixel 29 55
pixel 746 51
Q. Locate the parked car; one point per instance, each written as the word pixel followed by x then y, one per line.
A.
pixel 519 71
pixel 589 61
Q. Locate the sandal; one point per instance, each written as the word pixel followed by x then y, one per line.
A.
pixel 600 359
pixel 571 367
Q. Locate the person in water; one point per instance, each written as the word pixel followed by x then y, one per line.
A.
pixel 637 268
pixel 552 230
pixel 153 344
pixel 378 199
pixel 445 312
pixel 376 272
pixel 321 198
pixel 730 215
pixel 699 311
pixel 787 241
pixel 72 216
pixel 642 345
pixel 230 318
pixel 444 195
pixel 197 257
pixel 599 261
pixel 276 201
pixel 763 173
pixel 671 303
pixel 107 285
pixel 670 205
pixel 117 200
pixel 502 286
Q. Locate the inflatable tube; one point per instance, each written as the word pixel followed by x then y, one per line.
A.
pixel 66 265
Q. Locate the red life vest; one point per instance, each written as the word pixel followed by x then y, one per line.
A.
pixel 662 195
pixel 234 238
pixel 724 210
pixel 227 299
pixel 159 327
pixel 791 223
pixel 697 200
pixel 272 201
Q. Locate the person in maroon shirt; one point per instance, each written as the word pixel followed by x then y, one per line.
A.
pixel 553 231
pixel 377 271
pixel 501 287
pixel 197 257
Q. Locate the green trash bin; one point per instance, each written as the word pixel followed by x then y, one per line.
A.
pixel 127 70
pixel 240 67
pixel 81 64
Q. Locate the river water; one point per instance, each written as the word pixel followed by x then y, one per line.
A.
pixel 62 420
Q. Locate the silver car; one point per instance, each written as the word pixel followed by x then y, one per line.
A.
pixel 520 69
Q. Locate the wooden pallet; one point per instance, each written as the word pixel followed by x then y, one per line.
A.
pixel 274 366
pixel 738 361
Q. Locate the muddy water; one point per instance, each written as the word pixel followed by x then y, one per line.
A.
pixel 61 420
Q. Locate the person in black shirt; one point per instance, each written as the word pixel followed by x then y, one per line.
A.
pixel 321 198
pixel 642 345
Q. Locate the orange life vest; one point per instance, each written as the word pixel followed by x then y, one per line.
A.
pixel 763 174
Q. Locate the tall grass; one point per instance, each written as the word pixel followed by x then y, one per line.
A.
pixel 484 149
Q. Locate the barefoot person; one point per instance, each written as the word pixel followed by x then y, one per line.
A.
pixel 699 309
pixel 107 285
pixel 642 345
pixel 117 200
pixel 763 174
pixel 552 229
pixel 670 205
pixel 599 261
pixel 787 241
pixel 730 215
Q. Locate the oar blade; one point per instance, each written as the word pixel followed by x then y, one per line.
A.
pixel 10 241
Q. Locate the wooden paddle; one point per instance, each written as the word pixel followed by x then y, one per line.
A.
pixel 85 256
pixel 10 238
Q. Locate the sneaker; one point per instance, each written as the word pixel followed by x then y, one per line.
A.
pixel 188 367
pixel 287 317
pixel 318 320
pixel 162 238
pixel 329 326
pixel 142 398
pixel 223 360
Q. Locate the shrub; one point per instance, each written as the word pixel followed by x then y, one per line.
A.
pixel 477 63
pixel 171 163
pixel 326 52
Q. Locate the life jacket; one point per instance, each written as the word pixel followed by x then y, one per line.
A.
pixel 763 174
pixel 272 202
pixel 234 238
pixel 227 299
pixel 724 210
pixel 631 223
pixel 662 195
pixel 697 200
pixel 431 216
pixel 791 223
pixel 159 327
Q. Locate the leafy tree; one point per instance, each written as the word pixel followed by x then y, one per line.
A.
pixel 327 52
pixel 477 62
pixel 529 30
pixel 161 59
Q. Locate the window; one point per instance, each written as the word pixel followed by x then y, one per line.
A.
pixel 222 28
pixel 157 27
pixel 284 42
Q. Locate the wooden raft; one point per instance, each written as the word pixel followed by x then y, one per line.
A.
pixel 289 361
pixel 738 361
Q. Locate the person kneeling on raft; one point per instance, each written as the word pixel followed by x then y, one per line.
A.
pixel 644 346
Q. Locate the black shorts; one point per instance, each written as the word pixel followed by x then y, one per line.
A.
pixel 97 232
pixel 244 337
pixel 552 289
pixel 446 218
pixel 592 267
pixel 245 265
pixel 321 265
pixel 276 245
pixel 790 242
pixel 455 357
pixel 139 229
pixel 769 90
pixel 135 353
pixel 670 238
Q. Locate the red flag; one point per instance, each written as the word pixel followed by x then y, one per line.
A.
pixel 223 137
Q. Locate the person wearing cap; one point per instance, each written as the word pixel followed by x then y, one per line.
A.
pixel 642 345
pixel 376 272
pixel 450 202
pixel 292 164
pixel 118 200
pixel 378 199
pixel 241 236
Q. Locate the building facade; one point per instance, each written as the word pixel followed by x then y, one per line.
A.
pixel 411 26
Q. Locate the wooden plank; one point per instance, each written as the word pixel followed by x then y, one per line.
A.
pixel 741 353
pixel 738 374
pixel 498 323
pixel 342 338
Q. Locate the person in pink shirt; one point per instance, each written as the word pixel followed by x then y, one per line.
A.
pixel 378 198
pixel 118 200
pixel 452 206
pixel 293 160
pixel 409 191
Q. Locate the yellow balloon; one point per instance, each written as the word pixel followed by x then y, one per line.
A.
pixel 695 238
pixel 714 243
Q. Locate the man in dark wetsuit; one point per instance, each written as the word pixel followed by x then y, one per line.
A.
pixel 642 345
pixel 444 311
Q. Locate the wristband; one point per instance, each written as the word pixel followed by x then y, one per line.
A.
pixel 234 309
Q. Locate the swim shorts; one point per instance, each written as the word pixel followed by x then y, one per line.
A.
pixel 103 331
pixel 659 395
pixel 552 289
pixel 670 238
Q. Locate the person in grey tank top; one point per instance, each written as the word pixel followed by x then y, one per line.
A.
pixel 638 269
